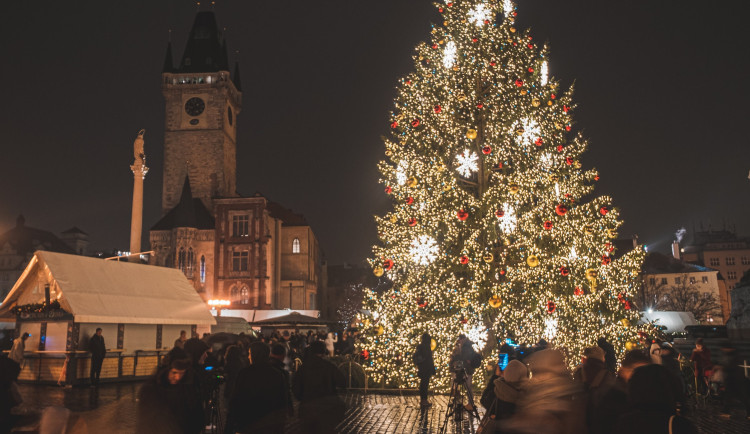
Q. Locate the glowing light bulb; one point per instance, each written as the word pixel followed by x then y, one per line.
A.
pixel 507 7
pixel 401 173
pixel 479 14
pixel 449 55
pixel 545 73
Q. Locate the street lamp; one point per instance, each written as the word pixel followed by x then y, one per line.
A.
pixel 218 305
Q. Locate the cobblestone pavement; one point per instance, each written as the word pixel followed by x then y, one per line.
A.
pixel 111 409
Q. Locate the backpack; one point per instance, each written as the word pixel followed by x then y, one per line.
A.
pixel 476 360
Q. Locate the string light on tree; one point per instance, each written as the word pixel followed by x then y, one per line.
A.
pixel 512 241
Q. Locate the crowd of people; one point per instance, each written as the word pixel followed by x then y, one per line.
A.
pixel 258 381
pixel 532 390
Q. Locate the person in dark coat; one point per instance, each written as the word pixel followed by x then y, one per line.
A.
pixel 315 386
pixel 259 402
pixel 9 396
pixel 425 367
pixel 595 378
pixel 167 403
pixel 98 350
pixel 610 357
pixel 278 354
pixel 507 388
pixel 604 414
pixel 701 358
pixel 651 405
pixel 234 361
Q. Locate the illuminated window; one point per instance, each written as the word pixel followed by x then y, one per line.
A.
pixel 714 262
pixel 730 261
pixel 731 275
pixel 190 262
pixel 240 260
pixel 704 279
pixel 245 295
pixel 240 226
pixel 203 269
pixel 295 245
pixel 745 260
pixel 692 280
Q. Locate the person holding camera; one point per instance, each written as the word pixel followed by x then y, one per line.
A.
pixel 425 367
pixel 470 360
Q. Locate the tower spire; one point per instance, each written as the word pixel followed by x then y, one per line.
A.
pixel 168 65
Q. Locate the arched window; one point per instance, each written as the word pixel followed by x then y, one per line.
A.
pixel 245 295
pixel 234 294
pixel 203 269
pixel 181 260
pixel 295 245
pixel 190 264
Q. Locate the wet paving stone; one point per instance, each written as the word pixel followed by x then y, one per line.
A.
pixel 111 409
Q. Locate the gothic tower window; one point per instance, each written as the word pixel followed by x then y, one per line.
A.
pixel 295 245
pixel 181 259
pixel 189 265
pixel 234 294
pixel 203 269
pixel 240 225
pixel 245 295
pixel 240 260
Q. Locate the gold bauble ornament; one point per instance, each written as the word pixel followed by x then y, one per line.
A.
pixel 380 360
pixel 549 102
pixel 366 323
pixel 461 97
pixel 554 178
pixel 625 322
pixel 495 301
pixel 380 330
pixel 612 233
pixel 591 274
pixel 447 187
pixel 514 188
pixel 630 346
pixel 488 257
pixel 513 30
pixel 412 182
pixel 433 344
pixel 400 116
pixel 535 102
pixel 471 134
pixel 588 229
pixel 441 42
pixel 440 166
pixel 388 153
pixel 378 271
pixel 520 131
pixel 532 261
pixel 558 125
pixel 577 164
pixel 421 58
pixel 393 219
pixel 464 302
pixel 455 68
pixel 445 23
pixel 524 91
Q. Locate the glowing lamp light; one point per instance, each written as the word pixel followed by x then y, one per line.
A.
pixel 218 303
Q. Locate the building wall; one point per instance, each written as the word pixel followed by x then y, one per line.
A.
pixel 167 244
pixel 732 264
pixel 300 268
pixel 139 337
pixel 712 286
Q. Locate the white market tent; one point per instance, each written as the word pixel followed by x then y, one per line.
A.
pixel 674 322
pixel 98 291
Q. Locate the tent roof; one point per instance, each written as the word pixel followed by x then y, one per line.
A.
pixel 291 319
pixel 94 290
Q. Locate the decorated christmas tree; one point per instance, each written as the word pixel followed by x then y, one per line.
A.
pixel 494 231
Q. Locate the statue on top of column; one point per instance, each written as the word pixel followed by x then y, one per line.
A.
pixel 138 151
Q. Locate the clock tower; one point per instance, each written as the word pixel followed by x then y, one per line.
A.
pixel 202 103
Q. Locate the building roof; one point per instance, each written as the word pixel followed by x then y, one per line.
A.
pixel 205 50
pixel 287 216
pixel 74 230
pixel 658 263
pixel 168 60
pixel 25 240
pixel 98 291
pixel 188 213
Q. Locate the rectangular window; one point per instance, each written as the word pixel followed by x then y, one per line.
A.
pixel 704 279
pixel 652 281
pixel 730 261
pixel 745 260
pixel 663 280
pixel 731 275
pixel 676 280
pixel 240 260
pixel 240 225
pixel 714 262
pixel 692 280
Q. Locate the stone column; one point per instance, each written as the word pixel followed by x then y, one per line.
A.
pixel 139 174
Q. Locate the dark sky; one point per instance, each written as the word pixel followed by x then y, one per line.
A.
pixel 661 87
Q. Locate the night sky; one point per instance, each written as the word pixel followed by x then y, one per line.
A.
pixel 661 88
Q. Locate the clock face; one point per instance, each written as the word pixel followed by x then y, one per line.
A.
pixel 229 115
pixel 194 106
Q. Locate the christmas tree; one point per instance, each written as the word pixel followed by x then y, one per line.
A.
pixel 494 231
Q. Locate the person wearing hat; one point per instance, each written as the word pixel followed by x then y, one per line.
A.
pixel 509 388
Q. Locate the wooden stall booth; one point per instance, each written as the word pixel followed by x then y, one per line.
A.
pixel 60 300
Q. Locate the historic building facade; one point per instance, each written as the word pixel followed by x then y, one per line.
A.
pixel 249 250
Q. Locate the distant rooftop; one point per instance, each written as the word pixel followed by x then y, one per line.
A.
pixel 658 263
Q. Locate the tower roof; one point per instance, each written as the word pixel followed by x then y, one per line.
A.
pixel 168 64
pixel 189 213
pixel 204 51
pixel 236 76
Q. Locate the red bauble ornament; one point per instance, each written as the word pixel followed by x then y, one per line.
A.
pixel 440 10
pixel 561 209
pixel 564 271
pixel 464 320
pixel 409 200
pixel 474 39
pixel 412 221
pixel 538 141
pixel 438 109
pixel 464 259
pixel 421 302
pixel 434 46
pixel 388 264
pixel 462 215
pixel 408 82
pixel 394 124
pixel 603 210
pixel 365 354
pixel 519 83
pixel 502 272
pixel 568 161
pixel 578 291
pixel 487 150
pixel 530 46
pixel 559 148
pixel 499 213
pixel 531 69
pixel 566 108
pixel 551 307
pixel 567 127
pixel 606 260
pixel 620 296
pixel 552 96
pixel 628 306
pixel 548 225
pixel 388 190
pixel 449 4
pixel 493 63
pixel 480 105
pixel 415 123
pixel 596 178
pixel 515 14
